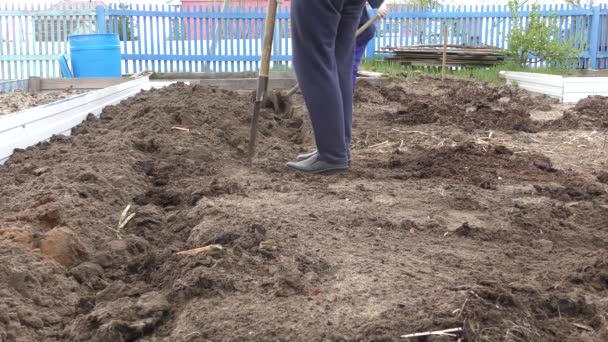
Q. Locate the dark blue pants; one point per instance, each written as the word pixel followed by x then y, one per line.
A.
pixel 359 52
pixel 323 37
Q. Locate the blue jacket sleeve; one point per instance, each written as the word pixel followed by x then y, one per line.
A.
pixel 375 3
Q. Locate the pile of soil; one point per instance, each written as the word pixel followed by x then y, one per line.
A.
pixel 67 275
pixel 482 165
pixel 19 100
pixel 364 256
pixel 472 105
pixel 593 106
pixel 462 103
pixel 591 112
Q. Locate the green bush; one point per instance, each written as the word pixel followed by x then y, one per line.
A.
pixel 539 37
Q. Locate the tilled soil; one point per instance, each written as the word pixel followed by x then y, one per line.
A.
pixel 17 101
pixel 472 105
pixel 451 217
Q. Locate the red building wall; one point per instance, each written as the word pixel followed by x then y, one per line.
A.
pixel 232 2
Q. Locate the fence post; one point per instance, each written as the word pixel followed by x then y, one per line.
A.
pixel 100 20
pixel 594 38
pixel 370 50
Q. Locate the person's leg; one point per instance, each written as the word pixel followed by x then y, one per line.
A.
pixel 359 52
pixel 314 30
pixel 358 57
pixel 345 44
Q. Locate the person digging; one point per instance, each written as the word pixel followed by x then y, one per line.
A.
pixel 326 57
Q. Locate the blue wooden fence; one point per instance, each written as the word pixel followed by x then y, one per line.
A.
pixel 32 37
pixel 196 39
pixel 489 25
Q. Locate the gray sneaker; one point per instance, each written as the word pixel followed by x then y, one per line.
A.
pixel 305 156
pixel 313 165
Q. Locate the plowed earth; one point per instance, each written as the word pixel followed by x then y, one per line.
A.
pixel 462 209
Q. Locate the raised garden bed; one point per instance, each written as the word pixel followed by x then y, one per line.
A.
pixel 568 89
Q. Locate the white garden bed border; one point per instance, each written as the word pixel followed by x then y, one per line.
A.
pixel 568 89
pixel 31 126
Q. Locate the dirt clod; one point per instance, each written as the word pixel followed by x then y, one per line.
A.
pixel 64 246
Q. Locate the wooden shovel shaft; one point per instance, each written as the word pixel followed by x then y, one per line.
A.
pixel 263 75
pixel 367 25
pixel 445 51
pixel 271 16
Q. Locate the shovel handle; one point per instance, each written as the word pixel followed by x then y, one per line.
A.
pixel 271 16
pixel 367 25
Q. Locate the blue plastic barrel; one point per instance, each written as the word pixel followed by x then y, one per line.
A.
pixel 95 55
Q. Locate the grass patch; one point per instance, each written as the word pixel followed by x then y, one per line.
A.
pixel 487 74
pixel 389 68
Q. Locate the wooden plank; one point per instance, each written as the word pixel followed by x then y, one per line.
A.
pixel 34 84
pixel 10 86
pixel 79 83
pixel 247 83
pixel 365 73
pixel 250 84
pixel 216 75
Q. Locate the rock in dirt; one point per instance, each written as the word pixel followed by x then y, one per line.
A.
pixel 602 177
pixel 504 100
pixel 268 246
pixel 30 320
pixel 201 281
pixel 288 279
pixel 570 191
pixel 223 238
pixel 594 274
pixel 64 246
pixel 544 164
pixel 41 170
pixel 208 232
pixel 543 245
pixel 89 274
pixel 119 289
pixel 124 319
pixel 130 252
pixel 151 303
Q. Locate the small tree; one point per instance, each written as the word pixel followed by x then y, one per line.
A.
pixel 539 38
pixel 579 2
pixel 428 3
pixel 125 24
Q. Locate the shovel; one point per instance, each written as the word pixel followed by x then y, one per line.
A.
pixel 260 94
pixel 281 102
